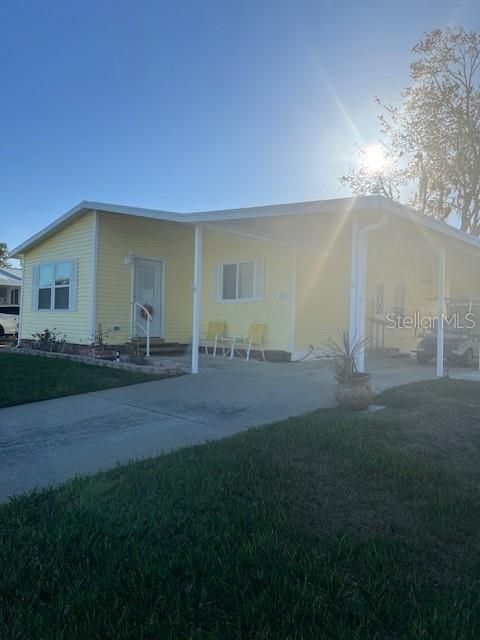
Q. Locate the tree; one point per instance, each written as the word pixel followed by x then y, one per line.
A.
pixel 4 255
pixel 432 143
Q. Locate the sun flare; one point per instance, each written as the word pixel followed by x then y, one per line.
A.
pixel 373 158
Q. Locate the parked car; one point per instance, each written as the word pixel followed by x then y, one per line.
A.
pixel 460 347
pixel 8 325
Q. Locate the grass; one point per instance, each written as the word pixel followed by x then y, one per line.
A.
pixel 25 378
pixel 327 526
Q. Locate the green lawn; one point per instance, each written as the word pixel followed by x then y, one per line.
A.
pixel 25 378
pixel 328 526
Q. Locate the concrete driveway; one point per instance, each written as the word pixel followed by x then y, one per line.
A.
pixel 47 442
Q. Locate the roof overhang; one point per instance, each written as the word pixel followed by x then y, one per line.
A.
pixel 337 206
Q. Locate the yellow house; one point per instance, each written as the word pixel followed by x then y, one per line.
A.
pixel 306 270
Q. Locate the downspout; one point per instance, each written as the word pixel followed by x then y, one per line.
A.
pixel 93 319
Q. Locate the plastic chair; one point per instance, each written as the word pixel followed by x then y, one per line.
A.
pixel 214 337
pixel 253 339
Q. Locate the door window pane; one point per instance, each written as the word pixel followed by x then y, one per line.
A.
pixel 229 291
pixel 61 297
pixel 44 298
pixel 45 275
pixel 147 283
pixel 62 273
pixel 245 280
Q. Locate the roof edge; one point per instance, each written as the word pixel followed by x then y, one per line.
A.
pixel 354 203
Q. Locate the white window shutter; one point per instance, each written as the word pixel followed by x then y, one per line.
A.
pixel 259 280
pixel 35 287
pixel 217 282
pixel 72 302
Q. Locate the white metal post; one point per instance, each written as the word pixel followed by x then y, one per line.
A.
pixel 148 334
pixel 359 284
pixel 441 308
pixel 354 283
pixel 197 294
pixel 361 296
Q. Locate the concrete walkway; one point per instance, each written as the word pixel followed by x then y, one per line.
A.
pixel 47 442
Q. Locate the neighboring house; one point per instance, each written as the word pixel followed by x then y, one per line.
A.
pixel 10 286
pixel 306 269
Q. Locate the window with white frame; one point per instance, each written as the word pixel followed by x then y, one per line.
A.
pixel 14 296
pixel 54 286
pixel 239 281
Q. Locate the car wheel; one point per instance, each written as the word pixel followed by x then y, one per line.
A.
pixel 467 358
pixel 422 358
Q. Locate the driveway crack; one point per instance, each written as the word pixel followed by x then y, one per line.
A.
pixel 160 413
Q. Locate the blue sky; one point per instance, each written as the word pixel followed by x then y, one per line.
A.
pixel 190 105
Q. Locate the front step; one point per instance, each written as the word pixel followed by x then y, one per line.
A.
pixel 169 349
pixel 143 341
pixel 158 347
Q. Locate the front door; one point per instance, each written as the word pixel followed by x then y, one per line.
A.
pixel 148 292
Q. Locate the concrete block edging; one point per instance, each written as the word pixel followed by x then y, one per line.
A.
pixel 167 371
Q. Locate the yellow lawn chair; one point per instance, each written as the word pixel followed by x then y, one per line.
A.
pixel 214 337
pixel 253 339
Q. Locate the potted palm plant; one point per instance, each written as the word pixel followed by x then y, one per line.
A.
pixel 353 389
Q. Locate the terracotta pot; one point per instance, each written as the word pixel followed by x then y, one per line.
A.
pixel 355 393
pixel 104 354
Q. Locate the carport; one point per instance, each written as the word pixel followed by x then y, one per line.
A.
pixel 365 232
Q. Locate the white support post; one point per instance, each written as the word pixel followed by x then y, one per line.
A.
pixel 359 284
pixel 361 297
pixel 197 295
pixel 354 283
pixel 441 309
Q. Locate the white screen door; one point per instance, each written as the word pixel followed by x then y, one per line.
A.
pixel 148 292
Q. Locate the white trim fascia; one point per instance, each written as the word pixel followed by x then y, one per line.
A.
pixel 10 282
pixel 357 205
pixel 93 318
pixel 84 207
pixel 7 273
pixel 334 205
pixel 384 204
pixel 245 234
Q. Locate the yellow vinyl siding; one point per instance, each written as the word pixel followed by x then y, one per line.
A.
pixel 323 298
pixel 275 309
pixel 73 242
pixel 169 242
